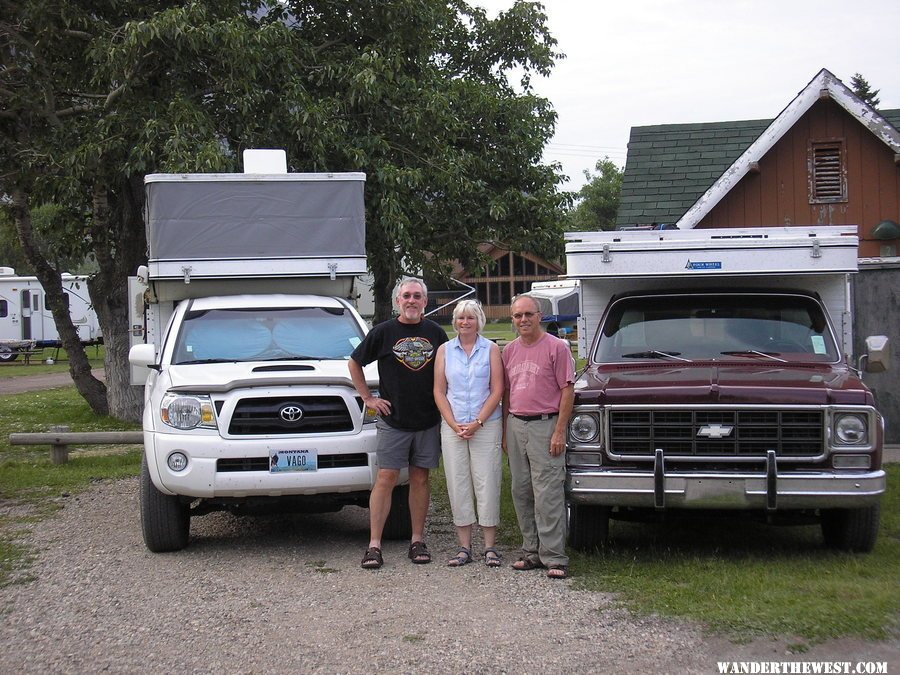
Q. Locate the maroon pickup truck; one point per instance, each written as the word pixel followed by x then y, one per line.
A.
pixel 724 398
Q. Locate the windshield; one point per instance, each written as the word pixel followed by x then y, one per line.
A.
pixel 678 328
pixel 266 334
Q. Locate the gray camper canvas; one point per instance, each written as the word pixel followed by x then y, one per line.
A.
pixel 218 226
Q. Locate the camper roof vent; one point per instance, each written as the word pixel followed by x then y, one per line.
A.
pixel 7 272
pixel 265 161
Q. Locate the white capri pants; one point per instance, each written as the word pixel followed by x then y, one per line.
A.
pixel 473 469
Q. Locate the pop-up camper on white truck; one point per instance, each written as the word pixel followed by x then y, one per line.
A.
pixel 249 325
pixel 719 379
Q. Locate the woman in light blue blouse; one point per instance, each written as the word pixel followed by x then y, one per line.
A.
pixel 468 386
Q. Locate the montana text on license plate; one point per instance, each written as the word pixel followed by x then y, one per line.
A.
pixel 281 461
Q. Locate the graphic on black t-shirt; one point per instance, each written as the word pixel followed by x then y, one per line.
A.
pixel 413 352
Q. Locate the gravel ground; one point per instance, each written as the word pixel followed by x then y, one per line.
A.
pixel 286 594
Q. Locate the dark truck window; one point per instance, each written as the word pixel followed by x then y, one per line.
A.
pixel 266 334
pixel 718 327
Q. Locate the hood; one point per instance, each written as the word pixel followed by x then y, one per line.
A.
pixel 209 377
pixel 772 384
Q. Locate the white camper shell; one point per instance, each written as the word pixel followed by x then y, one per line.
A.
pixel 26 322
pixel 250 320
pixel 817 259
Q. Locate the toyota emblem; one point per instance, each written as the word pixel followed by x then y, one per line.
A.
pixel 291 413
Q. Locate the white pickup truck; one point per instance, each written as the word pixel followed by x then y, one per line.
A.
pixel 248 402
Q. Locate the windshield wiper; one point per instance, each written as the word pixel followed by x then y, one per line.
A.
pixel 195 361
pixel 753 352
pixel 655 354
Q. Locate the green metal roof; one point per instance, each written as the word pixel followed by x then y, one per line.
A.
pixel 669 166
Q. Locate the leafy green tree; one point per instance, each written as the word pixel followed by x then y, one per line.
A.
pixel 598 200
pixel 416 93
pixel 863 90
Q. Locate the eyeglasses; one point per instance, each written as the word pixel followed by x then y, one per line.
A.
pixel 414 296
pixel 518 316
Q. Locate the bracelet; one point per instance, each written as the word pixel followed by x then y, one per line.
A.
pixel 480 423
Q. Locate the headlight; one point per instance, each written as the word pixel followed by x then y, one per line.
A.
pixel 584 428
pixel 370 415
pixel 851 430
pixel 187 412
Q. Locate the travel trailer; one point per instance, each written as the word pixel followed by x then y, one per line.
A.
pixel 26 322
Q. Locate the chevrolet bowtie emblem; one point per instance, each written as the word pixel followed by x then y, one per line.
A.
pixel 715 431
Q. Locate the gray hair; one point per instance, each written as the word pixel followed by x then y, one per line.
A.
pixel 408 280
pixel 470 306
pixel 528 296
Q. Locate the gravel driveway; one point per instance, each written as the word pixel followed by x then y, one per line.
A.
pixel 286 594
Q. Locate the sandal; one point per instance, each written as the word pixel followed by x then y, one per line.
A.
pixel 525 563
pixel 492 557
pixel 463 557
pixel 557 571
pixel 372 560
pixel 418 553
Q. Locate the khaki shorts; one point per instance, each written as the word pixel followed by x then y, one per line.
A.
pixel 402 448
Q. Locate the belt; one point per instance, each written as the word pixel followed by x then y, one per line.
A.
pixel 534 418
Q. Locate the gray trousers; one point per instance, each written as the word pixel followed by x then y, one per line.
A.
pixel 538 489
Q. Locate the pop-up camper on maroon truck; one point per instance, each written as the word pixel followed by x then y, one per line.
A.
pixel 720 377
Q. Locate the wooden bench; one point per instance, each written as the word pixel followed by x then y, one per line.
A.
pixel 60 438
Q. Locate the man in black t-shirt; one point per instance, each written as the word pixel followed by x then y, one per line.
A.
pixel 409 428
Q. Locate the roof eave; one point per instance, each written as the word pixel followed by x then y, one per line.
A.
pixel 823 84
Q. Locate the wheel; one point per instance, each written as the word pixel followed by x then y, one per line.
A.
pixel 165 520
pixel 398 524
pixel 588 526
pixel 851 529
pixel 8 354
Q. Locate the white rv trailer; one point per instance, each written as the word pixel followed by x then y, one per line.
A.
pixel 25 320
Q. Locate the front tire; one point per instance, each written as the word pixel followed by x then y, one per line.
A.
pixel 8 354
pixel 588 526
pixel 165 520
pixel 398 524
pixel 851 529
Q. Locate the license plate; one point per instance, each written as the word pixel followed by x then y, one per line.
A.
pixel 281 461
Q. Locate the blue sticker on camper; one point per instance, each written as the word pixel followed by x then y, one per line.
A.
pixel 703 265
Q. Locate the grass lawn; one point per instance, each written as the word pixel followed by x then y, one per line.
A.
pixel 26 472
pixel 18 368
pixel 740 578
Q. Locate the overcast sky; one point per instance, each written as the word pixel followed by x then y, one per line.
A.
pixel 643 62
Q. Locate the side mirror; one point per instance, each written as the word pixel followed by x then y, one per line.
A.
pixel 142 355
pixel 878 353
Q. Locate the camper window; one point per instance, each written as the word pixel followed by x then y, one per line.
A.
pixel 4 309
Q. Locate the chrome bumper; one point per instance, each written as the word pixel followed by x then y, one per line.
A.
pixel 767 490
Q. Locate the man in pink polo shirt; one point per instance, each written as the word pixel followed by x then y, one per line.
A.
pixel 537 403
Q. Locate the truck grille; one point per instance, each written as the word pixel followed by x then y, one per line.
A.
pixel 790 433
pixel 320 414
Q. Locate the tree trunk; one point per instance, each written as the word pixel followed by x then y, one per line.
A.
pixel 117 229
pixel 91 389
pixel 385 265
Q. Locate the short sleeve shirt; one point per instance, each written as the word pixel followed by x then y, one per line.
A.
pixel 536 374
pixel 405 355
